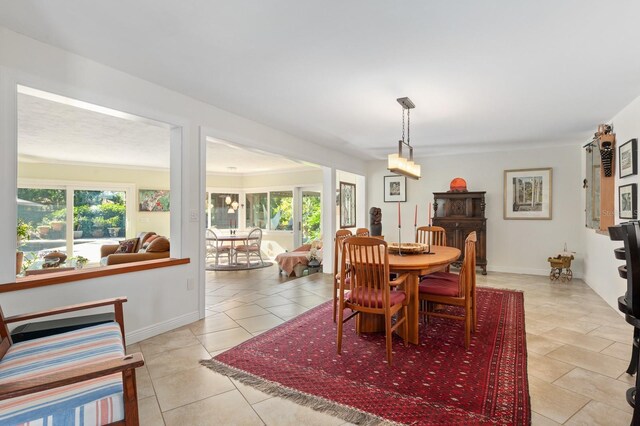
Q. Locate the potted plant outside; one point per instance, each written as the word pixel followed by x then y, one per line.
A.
pixel 99 223
pixel 113 226
pixel 56 225
pixel 44 228
pixel 23 233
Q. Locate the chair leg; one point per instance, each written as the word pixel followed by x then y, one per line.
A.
pixel 130 397
pixel 335 301
pixel 387 330
pixel 406 326
pixel 340 316
pixel 467 326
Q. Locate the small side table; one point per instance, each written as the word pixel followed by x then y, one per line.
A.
pixel 313 266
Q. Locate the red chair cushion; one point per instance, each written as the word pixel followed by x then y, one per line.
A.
pixel 443 276
pixel 373 298
pixel 438 287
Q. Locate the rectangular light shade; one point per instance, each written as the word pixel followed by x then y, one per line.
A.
pixel 402 166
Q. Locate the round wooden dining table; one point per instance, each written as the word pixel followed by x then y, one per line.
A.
pixel 415 265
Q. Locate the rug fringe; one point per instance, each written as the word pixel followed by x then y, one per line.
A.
pixel 346 413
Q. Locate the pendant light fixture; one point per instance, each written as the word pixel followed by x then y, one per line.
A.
pixel 396 162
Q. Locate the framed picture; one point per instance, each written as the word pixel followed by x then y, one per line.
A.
pixel 627 200
pixel 347 205
pixel 628 155
pixel 527 193
pixel 153 200
pixel 395 189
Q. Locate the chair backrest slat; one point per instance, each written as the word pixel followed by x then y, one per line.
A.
pixel 433 235
pixel 341 235
pixel 467 276
pixel 362 232
pixel 369 262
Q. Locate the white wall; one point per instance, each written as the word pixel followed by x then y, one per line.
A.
pixel 601 271
pixel 520 246
pixel 164 292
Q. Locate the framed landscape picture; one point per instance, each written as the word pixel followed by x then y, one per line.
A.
pixel 527 193
pixel 628 155
pixel 627 201
pixel 153 200
pixel 347 205
pixel 395 189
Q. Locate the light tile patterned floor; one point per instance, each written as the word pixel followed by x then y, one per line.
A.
pixel 578 347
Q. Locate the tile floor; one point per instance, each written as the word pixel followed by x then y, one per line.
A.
pixel 578 350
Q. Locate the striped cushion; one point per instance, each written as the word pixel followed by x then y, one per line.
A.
pixel 93 402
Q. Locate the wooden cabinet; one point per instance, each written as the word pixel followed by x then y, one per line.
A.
pixel 461 213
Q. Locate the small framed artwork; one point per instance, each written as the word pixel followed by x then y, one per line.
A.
pixel 627 200
pixel 347 205
pixel 628 155
pixel 395 189
pixel 527 194
pixel 153 200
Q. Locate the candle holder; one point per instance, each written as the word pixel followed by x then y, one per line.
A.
pixel 400 241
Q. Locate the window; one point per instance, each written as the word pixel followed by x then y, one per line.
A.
pixel 98 217
pixel 311 216
pixel 43 211
pixel 257 210
pixel 281 210
pixel 224 210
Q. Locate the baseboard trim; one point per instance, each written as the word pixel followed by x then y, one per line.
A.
pixel 525 271
pixel 162 327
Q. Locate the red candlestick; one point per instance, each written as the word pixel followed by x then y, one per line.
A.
pixel 429 214
pixel 399 221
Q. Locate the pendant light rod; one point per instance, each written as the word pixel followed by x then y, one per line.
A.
pixel 397 163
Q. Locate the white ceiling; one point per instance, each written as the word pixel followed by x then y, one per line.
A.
pixel 480 72
pixel 53 131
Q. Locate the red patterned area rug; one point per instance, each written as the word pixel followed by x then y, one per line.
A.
pixel 435 383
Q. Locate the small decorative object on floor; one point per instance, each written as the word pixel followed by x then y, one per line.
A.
pixel 561 265
pixel 375 221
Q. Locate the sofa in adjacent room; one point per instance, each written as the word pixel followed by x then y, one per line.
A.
pixel 146 246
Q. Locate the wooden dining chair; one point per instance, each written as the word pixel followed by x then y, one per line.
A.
pixel 432 235
pixel 368 289
pixel 215 248
pixel 341 235
pixel 454 290
pixel 362 232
